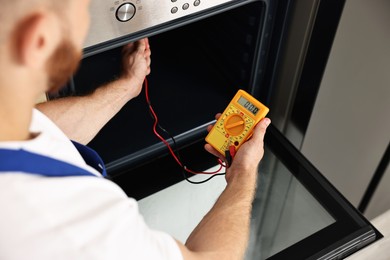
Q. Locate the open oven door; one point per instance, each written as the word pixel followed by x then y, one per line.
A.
pixel 297 213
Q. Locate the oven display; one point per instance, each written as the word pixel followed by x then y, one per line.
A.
pixel 248 105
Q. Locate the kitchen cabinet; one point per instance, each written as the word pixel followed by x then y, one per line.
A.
pixel 349 128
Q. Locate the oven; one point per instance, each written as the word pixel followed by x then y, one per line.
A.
pixel 202 54
pixel 203 51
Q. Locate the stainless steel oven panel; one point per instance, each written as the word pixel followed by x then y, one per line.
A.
pixel 113 19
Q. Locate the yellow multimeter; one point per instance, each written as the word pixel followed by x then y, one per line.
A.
pixel 236 123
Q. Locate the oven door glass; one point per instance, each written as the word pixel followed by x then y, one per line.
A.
pixel 298 214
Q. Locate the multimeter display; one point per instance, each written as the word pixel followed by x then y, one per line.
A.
pixel 236 123
pixel 248 105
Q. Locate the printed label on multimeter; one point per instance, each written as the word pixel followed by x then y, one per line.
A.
pixel 236 123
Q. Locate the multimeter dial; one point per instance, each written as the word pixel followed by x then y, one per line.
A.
pixel 235 124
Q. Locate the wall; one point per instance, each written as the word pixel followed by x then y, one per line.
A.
pixel 350 128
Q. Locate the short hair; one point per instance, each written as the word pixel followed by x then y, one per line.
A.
pixel 12 12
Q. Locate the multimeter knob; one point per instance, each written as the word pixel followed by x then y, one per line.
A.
pixel 235 124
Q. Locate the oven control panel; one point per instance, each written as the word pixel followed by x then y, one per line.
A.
pixel 111 19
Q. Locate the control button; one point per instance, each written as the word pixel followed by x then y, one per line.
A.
pixel 174 10
pixel 173 1
pixel 125 12
pixel 186 6
pixel 197 3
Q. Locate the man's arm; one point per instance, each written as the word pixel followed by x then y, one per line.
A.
pixel 224 232
pixel 81 118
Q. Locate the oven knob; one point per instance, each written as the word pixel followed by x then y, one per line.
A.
pixel 125 12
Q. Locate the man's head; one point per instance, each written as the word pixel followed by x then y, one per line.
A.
pixel 41 40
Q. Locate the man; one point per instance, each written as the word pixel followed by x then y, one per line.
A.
pixel 50 212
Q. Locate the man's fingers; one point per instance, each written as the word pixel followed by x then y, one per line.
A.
pixel 141 45
pixel 214 152
pixel 129 48
pixel 260 129
pixel 147 45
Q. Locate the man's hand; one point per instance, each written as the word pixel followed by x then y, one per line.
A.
pixel 250 153
pixel 136 65
pixel 74 115
pixel 224 232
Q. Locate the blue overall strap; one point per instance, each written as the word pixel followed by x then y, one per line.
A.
pixel 91 157
pixel 32 163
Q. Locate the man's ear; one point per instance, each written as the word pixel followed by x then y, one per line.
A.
pixel 36 38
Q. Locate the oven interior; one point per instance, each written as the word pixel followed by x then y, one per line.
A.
pixel 196 70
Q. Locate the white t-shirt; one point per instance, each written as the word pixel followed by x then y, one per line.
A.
pixel 71 217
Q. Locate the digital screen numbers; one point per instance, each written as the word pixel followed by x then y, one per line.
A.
pixel 248 105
